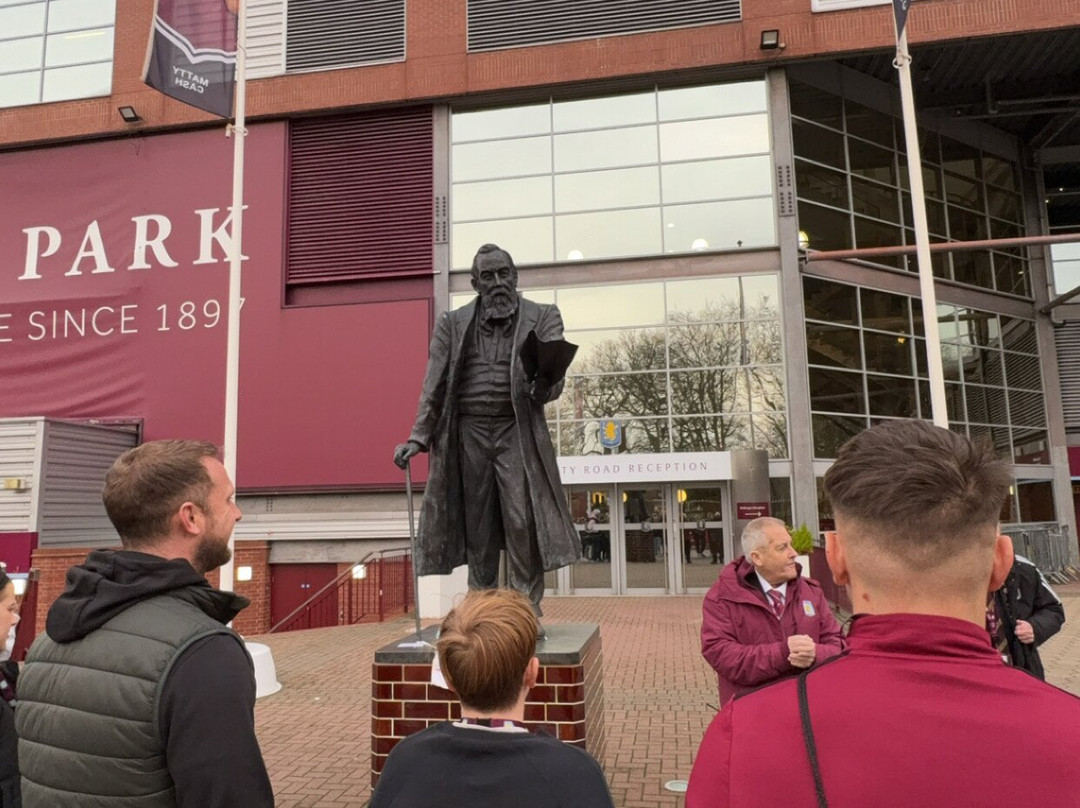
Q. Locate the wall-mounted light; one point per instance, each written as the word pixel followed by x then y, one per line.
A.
pixel 19 585
pixel 804 240
pixel 244 573
pixel 699 244
pixel 129 114
pixel 359 572
pixel 15 484
pixel 770 40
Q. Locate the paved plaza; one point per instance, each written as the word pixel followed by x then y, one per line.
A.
pixel 659 697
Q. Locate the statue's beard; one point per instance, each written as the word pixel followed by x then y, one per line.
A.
pixel 499 304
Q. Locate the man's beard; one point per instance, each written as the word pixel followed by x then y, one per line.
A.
pixel 211 554
pixel 499 305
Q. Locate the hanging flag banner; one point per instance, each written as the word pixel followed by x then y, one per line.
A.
pixel 900 10
pixel 192 53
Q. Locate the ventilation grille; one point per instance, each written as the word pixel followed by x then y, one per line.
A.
pixel 265 38
pixel 495 24
pixel 339 33
pixel 1068 353
pixel 360 197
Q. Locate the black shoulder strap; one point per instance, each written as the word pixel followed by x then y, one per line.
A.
pixel 808 740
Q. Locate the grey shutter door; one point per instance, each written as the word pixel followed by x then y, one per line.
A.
pixel 1068 353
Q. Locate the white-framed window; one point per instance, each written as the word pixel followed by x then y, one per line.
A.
pixel 837 5
pixel 55 50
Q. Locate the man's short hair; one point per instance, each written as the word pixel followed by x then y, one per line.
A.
pixel 146 486
pixel 922 491
pixel 754 535
pixel 487 249
pixel 485 646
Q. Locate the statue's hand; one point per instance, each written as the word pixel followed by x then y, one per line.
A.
pixel 539 392
pixel 404 451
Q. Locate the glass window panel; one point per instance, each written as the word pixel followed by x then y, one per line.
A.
pixel 826 229
pixel 711 433
pixel 20 21
pixel 770 434
pixel 830 302
pixel 715 390
pixel 608 234
pixel 618 350
pixel 976 327
pixel 529 196
pixel 995 437
pixel 1004 205
pixel 820 184
pixel 836 391
pixel 884 311
pixel 78 47
pixel 964 191
pixel 978 403
pixel 954 401
pixel 703 345
pixel 1000 229
pixel 833 346
pixel 632 304
pixel 21 54
pixel 966 226
pixel 704 299
pixel 891 396
pixel 84 81
pixel 717 137
pixel 932 184
pixel 529 241
pixel 815 105
pixel 717 179
pixel 1026 409
pixel 780 498
pixel 716 99
pixel 1031 446
pixel 982 365
pixel 833 431
pixel 761 298
pixel 1019 335
pixel 874 200
pixel 719 225
pixel 505 158
pixel 619 395
pixel 869 123
pixel 935 217
pixel 18 89
pixel 490 124
pixel 1036 500
pixel 608 148
pixel 872 162
pixel 818 144
pixel 960 158
pixel 764 344
pixel 973 268
pixel 1022 371
pixel 65 15
pixel 1011 273
pixel 869 233
pixel 597 113
pixel 886 353
pixel 765 388
pixel 999 171
pixel 617 188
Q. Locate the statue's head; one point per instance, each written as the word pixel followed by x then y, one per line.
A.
pixel 494 277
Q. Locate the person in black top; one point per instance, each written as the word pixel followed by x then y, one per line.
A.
pixel 9 670
pixel 489 758
pixel 1024 614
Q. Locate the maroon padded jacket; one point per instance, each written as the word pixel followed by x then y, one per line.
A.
pixel 745 643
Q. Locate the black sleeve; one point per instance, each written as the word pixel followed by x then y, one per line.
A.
pixel 1047 612
pixel 207 717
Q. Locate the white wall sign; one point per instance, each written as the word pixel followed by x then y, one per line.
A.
pixel 626 468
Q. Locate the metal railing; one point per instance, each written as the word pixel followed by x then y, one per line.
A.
pixel 372 589
pixel 1045 544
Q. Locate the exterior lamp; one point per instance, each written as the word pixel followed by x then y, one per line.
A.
pixel 770 40
pixel 804 240
pixel 129 114
pixel 359 572
pixel 243 573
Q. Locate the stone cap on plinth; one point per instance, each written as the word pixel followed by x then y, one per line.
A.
pixel 565 644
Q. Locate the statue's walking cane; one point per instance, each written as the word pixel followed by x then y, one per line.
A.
pixel 412 544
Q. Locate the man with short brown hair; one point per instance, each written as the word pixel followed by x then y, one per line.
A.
pixel 486 651
pixel 138 694
pixel 920 709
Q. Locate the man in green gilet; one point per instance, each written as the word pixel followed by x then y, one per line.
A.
pixel 138 694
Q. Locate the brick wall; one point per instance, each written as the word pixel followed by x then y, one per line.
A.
pixel 255 619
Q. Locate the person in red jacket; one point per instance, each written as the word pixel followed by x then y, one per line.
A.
pixel 920 710
pixel 762 621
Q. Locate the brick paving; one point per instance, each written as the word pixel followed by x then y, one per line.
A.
pixel 659 697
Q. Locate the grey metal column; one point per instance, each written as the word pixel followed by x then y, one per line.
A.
pixel 804 487
pixel 749 490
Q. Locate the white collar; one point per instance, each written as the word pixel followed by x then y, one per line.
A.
pixel 766 586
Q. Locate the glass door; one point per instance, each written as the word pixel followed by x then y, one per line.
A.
pixel 591 510
pixel 644 539
pixel 699 531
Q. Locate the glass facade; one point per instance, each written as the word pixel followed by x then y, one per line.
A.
pixel 55 50
pixel 690 365
pixel 851 177
pixel 866 351
pixel 1066 271
pixel 664 171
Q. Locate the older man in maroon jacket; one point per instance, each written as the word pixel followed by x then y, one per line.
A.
pixel 920 710
pixel 762 621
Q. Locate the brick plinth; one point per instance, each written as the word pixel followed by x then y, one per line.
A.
pixel 567 702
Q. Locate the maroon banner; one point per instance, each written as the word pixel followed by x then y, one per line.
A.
pixel 192 53
pixel 751 510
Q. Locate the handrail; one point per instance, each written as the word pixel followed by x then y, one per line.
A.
pixel 337 582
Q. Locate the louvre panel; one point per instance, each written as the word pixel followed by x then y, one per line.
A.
pixel 338 33
pixel 19 442
pixel 265 38
pixel 1068 354
pixel 360 197
pixel 495 24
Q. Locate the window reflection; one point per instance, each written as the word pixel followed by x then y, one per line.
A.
pixel 712 179
pixel 720 137
pixel 719 225
pixel 512 198
pixel 18 89
pixel 84 46
pixel 21 54
pixel 605 149
pixel 615 305
pixel 718 99
pixel 481 161
pixel 527 240
pixel 608 233
pixel 590 190
pixel 83 81
pixel 596 113
pixel 24 20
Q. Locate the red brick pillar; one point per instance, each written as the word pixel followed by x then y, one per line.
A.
pixel 255 619
pixel 53 564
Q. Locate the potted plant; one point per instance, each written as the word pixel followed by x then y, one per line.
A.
pixel 802 542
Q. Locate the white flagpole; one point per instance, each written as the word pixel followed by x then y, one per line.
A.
pixel 922 237
pixel 232 350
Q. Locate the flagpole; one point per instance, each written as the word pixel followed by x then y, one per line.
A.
pixel 922 238
pixel 232 349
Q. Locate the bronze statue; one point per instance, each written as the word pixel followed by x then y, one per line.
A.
pixel 493 482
